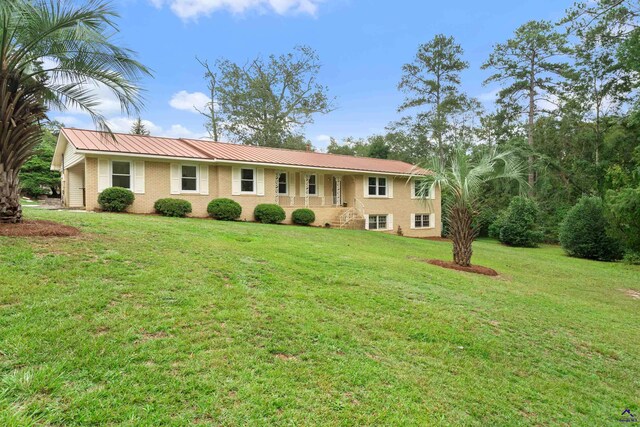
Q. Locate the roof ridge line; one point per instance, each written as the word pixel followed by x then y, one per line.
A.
pixel 198 149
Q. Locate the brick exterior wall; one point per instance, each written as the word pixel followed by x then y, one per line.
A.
pixel 158 185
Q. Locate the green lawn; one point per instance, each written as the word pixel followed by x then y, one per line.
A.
pixel 156 321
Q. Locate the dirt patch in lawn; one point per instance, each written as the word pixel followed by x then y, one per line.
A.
pixel 37 228
pixel 478 269
pixel 631 293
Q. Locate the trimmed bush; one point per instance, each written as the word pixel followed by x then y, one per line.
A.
pixel 496 225
pixel 583 233
pixel 172 207
pixel 224 209
pixel 519 225
pixel 115 199
pixel 303 216
pixel 269 213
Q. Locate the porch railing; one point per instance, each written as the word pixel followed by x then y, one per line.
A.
pixel 301 201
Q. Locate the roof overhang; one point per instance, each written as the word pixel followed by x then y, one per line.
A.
pixel 242 162
pixel 61 146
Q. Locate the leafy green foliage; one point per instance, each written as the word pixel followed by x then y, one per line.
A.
pixel 623 209
pixel 461 181
pixel 268 101
pixel 139 128
pixel 303 216
pixel 519 224
pixel 432 81
pixel 115 199
pixel 269 213
pixel 36 176
pixel 173 207
pixel 583 233
pixel 224 209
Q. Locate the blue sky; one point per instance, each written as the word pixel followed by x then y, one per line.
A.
pixel 362 46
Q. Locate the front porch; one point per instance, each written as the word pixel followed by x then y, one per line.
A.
pixel 331 196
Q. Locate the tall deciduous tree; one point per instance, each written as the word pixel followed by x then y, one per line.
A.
pixel 432 81
pixel 77 39
pixel 528 67
pixel 211 109
pixel 602 82
pixel 268 102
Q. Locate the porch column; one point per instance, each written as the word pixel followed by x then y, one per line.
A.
pixel 338 197
pixel 306 190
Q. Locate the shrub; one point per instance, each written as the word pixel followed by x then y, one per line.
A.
pixel 583 233
pixel 303 216
pixel 496 225
pixel 632 257
pixel 172 207
pixel 519 224
pixel 115 199
pixel 224 209
pixel 623 212
pixel 269 213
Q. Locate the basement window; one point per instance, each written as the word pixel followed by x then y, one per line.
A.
pixel 422 221
pixel 377 222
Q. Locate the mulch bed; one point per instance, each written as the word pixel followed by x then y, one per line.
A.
pixel 38 228
pixel 478 269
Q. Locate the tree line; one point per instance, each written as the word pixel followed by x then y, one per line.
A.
pixel 566 106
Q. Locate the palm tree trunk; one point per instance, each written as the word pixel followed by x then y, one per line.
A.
pixel 462 233
pixel 20 113
pixel 10 209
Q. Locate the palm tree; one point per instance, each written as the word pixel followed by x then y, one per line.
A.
pixel 53 53
pixel 461 179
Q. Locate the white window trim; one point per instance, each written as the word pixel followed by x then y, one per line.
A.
pixel 131 173
pixel 255 181
pixel 388 222
pixel 286 174
pixel 376 196
pixel 428 215
pixel 197 178
pixel 430 196
pixel 432 221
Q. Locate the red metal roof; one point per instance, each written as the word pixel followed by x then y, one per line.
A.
pixel 220 151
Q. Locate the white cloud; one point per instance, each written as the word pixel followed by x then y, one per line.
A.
pixel 192 9
pixel 179 131
pixel 323 139
pixel 193 102
pixel 489 97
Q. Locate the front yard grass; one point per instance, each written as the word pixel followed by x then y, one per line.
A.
pixel 147 320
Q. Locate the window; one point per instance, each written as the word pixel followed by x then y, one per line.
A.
pixel 282 183
pixel 247 180
pixel 189 178
pixel 416 190
pixel 121 174
pixel 422 221
pixel 313 185
pixel 377 222
pixel 377 186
